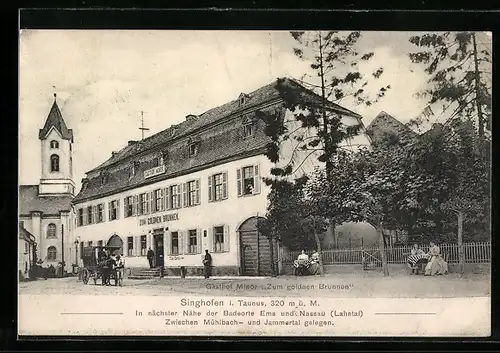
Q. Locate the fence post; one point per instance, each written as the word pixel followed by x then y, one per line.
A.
pixel 461 255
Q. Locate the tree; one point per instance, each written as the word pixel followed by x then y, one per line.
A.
pixel 459 66
pixel 318 130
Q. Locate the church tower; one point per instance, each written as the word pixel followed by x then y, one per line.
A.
pixel 57 155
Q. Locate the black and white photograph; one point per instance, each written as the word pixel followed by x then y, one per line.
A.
pixel 237 182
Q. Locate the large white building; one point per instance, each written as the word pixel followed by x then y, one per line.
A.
pixel 45 209
pixel 193 187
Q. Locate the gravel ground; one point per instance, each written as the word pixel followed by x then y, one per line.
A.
pixel 340 286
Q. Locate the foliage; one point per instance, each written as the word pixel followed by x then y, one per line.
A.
pixel 459 78
pixel 335 59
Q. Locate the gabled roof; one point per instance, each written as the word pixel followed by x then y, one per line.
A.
pixel 385 122
pixel 55 119
pixel 260 96
pixel 30 200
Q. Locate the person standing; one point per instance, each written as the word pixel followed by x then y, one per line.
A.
pixel 151 255
pixel 207 264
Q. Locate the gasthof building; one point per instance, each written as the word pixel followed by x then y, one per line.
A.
pixel 193 187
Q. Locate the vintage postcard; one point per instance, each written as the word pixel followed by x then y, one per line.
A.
pixel 276 183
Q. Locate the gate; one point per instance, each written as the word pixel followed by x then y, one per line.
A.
pixel 255 254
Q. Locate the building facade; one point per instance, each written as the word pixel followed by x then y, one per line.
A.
pixel 193 187
pixel 26 252
pixel 45 210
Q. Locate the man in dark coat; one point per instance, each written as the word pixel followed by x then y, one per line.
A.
pixel 151 255
pixel 207 264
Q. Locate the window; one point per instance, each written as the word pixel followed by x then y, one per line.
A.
pixel 54 144
pixel 26 248
pixel 130 246
pixel 174 246
pixel 89 215
pixel 100 213
pixel 129 206
pixel 158 200
pixel 247 127
pixel 104 179
pixel 217 187
pixel 51 230
pixel 113 209
pixel 144 203
pixel 218 239
pixel 191 193
pixel 99 243
pixel 193 241
pixel 91 243
pixel 143 245
pixel 80 217
pixel 158 161
pixel 193 148
pixel 21 223
pixel 248 180
pixel 54 163
pixel 175 196
pixel 51 253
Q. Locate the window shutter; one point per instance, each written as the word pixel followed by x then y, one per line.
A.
pixel 224 185
pixel 166 196
pixel 135 205
pixel 226 238
pixel 198 240
pixel 137 245
pixel 118 209
pixel 197 194
pixel 182 242
pixel 125 247
pixel 184 195
pixel 256 179
pixel 208 245
pixel 168 242
pixel 109 211
pixel 179 196
pixel 148 203
pixel 162 200
pixel 210 188
pixel 239 181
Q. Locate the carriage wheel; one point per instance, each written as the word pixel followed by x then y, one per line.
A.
pixel 85 276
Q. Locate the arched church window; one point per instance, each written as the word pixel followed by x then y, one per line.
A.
pixel 51 230
pixel 54 144
pixel 54 163
pixel 51 253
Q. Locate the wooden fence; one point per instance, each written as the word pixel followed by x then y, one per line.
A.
pixel 474 253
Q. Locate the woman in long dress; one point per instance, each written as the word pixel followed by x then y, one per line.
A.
pixel 436 264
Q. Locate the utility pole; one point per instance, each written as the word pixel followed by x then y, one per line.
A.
pixel 142 128
pixel 62 246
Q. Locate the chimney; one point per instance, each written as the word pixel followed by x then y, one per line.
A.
pixel 131 142
pixel 113 153
pixel 191 117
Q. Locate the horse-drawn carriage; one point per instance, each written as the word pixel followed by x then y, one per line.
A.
pixel 98 264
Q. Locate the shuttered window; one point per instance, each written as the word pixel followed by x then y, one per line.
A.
pixel 220 238
pixel 191 193
pixel 217 187
pixel 248 180
pixel 174 243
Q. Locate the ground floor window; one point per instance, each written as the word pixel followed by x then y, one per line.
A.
pixel 218 239
pixel 193 241
pixel 51 253
pixel 130 246
pixel 143 245
pixel 174 246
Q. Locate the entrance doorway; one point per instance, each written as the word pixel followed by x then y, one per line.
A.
pixel 158 248
pixel 255 259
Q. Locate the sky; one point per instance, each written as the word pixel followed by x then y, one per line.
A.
pixel 105 78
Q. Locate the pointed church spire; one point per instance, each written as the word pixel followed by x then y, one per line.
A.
pixel 55 119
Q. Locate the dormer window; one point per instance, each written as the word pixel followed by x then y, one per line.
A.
pixel 132 170
pixel 242 99
pixel 104 178
pixel 247 127
pixel 193 148
pixel 54 144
